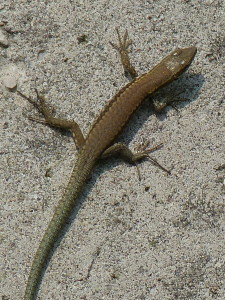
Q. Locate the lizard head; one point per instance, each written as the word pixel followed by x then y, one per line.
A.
pixel 180 59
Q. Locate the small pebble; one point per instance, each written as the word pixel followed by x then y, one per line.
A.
pixel 3 40
pixel 10 82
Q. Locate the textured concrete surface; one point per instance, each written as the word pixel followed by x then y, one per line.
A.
pixel 160 238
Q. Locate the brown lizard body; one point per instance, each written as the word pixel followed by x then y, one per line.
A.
pixel 107 126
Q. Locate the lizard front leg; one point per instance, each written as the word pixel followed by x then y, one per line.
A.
pixel 122 48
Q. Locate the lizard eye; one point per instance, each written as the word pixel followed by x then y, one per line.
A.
pixel 177 52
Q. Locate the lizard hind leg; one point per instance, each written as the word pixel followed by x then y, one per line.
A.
pixel 133 158
pixel 49 119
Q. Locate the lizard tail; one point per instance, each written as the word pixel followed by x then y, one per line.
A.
pixel 65 206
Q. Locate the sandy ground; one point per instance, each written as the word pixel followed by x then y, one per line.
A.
pixel 158 238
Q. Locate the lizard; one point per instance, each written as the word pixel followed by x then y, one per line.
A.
pixel 98 142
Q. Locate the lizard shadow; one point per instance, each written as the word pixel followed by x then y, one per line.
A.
pixel 191 83
pixel 187 82
pixel 187 87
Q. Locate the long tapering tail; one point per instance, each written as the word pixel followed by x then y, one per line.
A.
pixel 65 206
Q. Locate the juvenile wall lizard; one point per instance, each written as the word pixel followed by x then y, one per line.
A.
pixel 97 143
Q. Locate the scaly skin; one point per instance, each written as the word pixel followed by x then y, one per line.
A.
pixel 104 130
